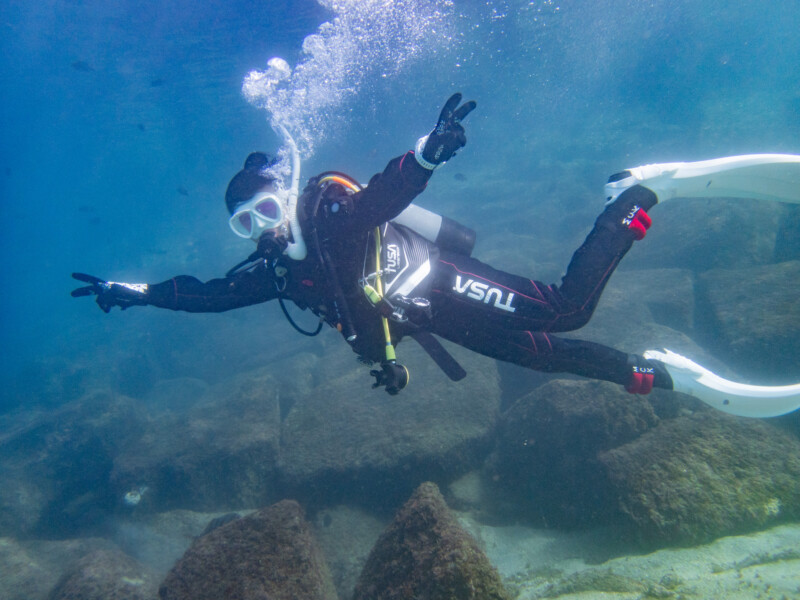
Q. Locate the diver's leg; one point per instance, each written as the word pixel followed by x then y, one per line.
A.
pixel 552 354
pixel 614 232
pixel 466 290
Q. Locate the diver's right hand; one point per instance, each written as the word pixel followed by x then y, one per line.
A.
pixel 111 293
pixel 441 144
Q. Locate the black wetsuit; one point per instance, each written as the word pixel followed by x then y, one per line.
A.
pixel 504 316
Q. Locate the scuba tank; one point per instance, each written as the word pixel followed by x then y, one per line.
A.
pixel 442 231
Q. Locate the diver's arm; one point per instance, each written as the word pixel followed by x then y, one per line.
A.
pixel 390 192
pixel 183 292
pixel 218 295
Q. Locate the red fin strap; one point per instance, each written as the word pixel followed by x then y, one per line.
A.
pixel 640 224
pixel 640 383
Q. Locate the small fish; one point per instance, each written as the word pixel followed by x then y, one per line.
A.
pixel 85 208
pixel 158 82
pixel 83 66
pixel 460 177
pixel 141 126
pixel 183 191
pixel 133 497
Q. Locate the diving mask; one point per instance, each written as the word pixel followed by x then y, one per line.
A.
pixel 262 212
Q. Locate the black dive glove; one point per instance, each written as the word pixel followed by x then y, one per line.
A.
pixel 441 144
pixel 393 376
pixel 111 293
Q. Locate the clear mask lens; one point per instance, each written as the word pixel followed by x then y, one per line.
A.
pixel 242 224
pixel 259 214
pixel 268 209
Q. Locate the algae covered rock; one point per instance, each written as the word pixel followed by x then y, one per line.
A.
pixel 755 313
pixel 425 554
pixel 220 453
pixel 548 444
pixel 268 554
pixel 55 465
pixel 107 575
pixel 345 442
pixel 708 233
pixel 697 478
pixel 643 307
pixel 30 570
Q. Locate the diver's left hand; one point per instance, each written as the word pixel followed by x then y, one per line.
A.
pixel 111 293
pixel 441 144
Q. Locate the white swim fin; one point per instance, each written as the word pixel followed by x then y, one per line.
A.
pixel 759 176
pixel 739 399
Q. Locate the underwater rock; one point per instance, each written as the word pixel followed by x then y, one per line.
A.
pixel 787 246
pixel 29 570
pixel 44 493
pixel 696 478
pixel 425 553
pixel 703 234
pixel 343 441
pixel 176 394
pixel 106 575
pixel 644 308
pixel 268 554
pixel 754 315
pixel 218 522
pixel 219 454
pixel 159 540
pixel 548 443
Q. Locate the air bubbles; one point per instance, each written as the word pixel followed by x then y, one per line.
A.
pixel 363 42
pixel 279 68
pixel 259 85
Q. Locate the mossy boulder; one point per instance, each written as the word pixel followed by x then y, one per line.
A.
pixel 268 554
pixel 425 554
pixel 709 233
pixel 218 454
pixel 755 316
pixel 699 477
pixel 345 442
pixel 107 575
pixel 31 570
pixel 55 465
pixel 548 444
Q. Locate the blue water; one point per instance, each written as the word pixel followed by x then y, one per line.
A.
pixel 122 124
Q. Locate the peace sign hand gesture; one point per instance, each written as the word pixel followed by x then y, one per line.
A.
pixel 441 144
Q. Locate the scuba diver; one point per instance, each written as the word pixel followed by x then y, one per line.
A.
pixel 371 264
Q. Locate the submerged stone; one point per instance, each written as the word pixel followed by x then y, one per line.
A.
pixel 268 554
pixel 754 315
pixel 548 444
pixel 709 233
pixel 44 493
pixel 345 442
pixel 30 570
pixel 425 554
pixel 107 575
pixel 697 478
pixel 218 454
